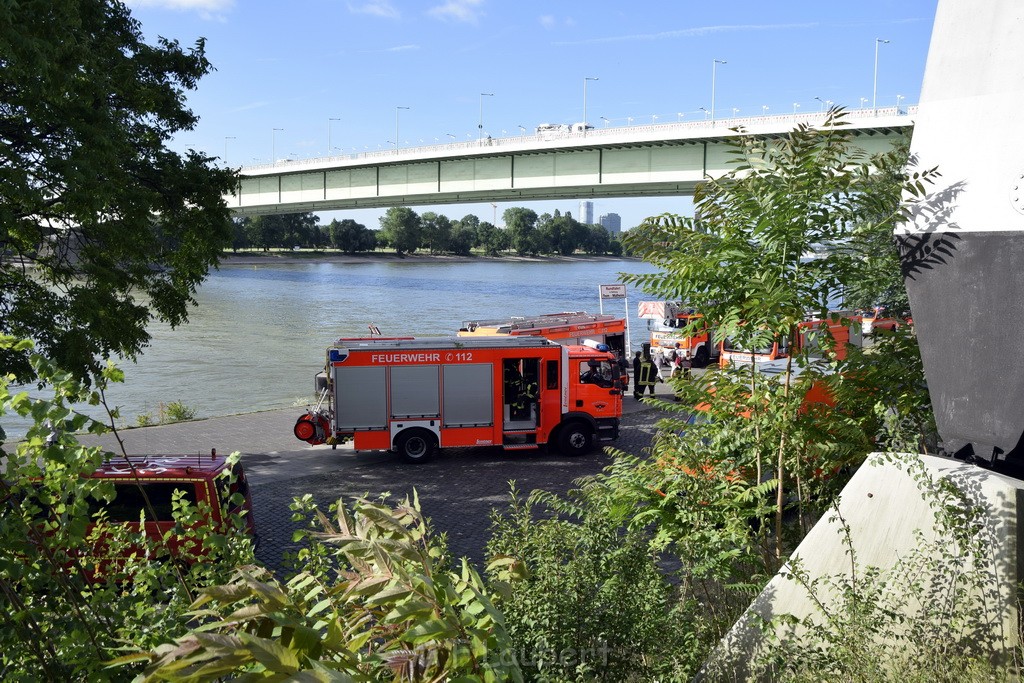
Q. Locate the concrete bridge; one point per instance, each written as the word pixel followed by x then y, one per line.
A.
pixel 636 161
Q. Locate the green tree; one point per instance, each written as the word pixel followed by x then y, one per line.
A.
pixel 491 239
pixel 744 267
pixel 436 232
pixel 351 237
pixel 60 620
pixel 115 228
pixel 401 228
pixel 240 233
pixel 471 223
pixel 598 240
pixel 521 226
pixel 462 240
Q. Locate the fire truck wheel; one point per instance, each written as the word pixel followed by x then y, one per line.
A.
pixel 416 445
pixel 700 360
pixel 575 438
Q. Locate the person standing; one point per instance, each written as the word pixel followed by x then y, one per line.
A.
pixel 686 363
pixel 636 375
pixel 648 377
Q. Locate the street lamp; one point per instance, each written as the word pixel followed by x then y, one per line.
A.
pixel 714 76
pixel 874 87
pixel 680 115
pixel 585 79
pixel 707 114
pixel 764 110
pixel 654 118
pixel 452 136
pixel 329 135
pixel 606 122
pixel 273 145
pixel 822 102
pixel 899 98
pixel 735 110
pixel 226 138
pixel 863 101
pixel 796 105
pixel 398 110
pixel 480 126
pixel 522 130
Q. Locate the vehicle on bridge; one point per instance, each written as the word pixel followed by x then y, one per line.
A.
pixel 413 396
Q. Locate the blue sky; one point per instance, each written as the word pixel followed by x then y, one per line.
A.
pixel 296 65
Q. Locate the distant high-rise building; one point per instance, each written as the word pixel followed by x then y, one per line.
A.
pixel 611 222
pixel 586 212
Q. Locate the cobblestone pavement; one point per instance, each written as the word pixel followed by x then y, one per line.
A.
pixel 457 489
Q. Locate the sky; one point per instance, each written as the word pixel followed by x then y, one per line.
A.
pixel 335 72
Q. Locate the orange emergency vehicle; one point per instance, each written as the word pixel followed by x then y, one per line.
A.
pixel 843 329
pixel 413 396
pixel 667 319
pixel 574 327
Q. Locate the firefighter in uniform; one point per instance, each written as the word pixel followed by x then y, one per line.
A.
pixel 646 375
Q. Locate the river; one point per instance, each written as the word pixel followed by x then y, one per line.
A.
pixel 259 334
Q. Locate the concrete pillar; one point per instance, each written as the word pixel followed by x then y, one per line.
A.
pixel 963 251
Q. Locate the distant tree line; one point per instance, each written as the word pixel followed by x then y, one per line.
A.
pixel 406 232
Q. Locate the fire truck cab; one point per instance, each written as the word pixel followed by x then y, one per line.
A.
pixel 412 396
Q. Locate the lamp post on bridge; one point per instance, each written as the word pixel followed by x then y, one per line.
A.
pixel 714 76
pixel 398 110
pixel 329 135
pixel 874 87
pixel 273 145
pixel 585 79
pixel 480 126
pixel 707 114
pixel 899 98
pixel 796 105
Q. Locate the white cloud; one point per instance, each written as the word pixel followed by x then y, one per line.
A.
pixel 247 107
pixel 548 21
pixel 378 8
pixel 207 9
pixel 459 10
pixel 689 32
pixel 402 48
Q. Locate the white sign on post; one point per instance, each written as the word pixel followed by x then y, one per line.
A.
pixel 613 291
pixel 616 292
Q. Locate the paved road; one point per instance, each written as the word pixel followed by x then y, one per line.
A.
pixel 457 489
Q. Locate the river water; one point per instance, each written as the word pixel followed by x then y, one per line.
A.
pixel 260 332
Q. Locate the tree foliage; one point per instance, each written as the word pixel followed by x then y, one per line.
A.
pixel 402 229
pixel 744 264
pixel 375 601
pixel 102 227
pixel 65 610
pixel 351 237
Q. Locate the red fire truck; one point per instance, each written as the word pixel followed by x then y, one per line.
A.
pixel 666 320
pixel 574 327
pixel 412 396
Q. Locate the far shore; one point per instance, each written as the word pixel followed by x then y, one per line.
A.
pixel 246 258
